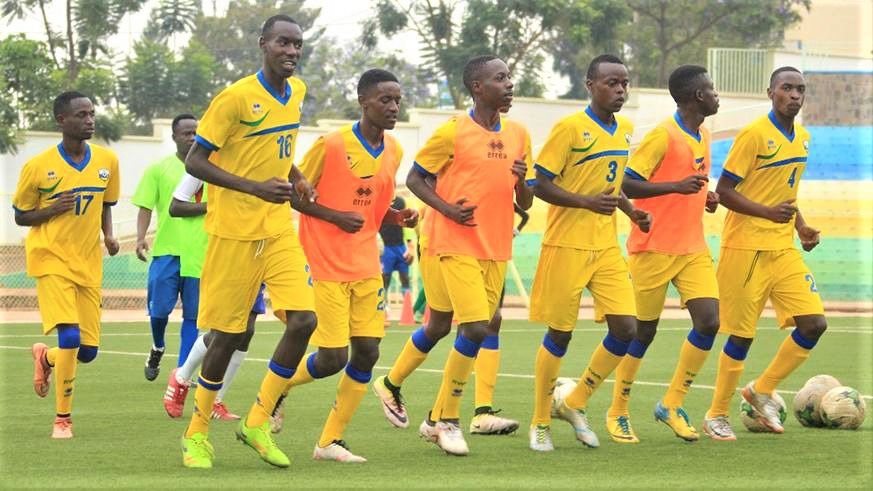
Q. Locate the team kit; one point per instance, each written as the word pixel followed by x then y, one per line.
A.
pixel 225 237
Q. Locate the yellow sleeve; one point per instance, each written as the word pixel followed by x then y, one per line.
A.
pixel 26 196
pixel 647 157
pixel 113 186
pixel 530 177
pixel 553 156
pixel 221 116
pixel 313 162
pixel 439 149
pixel 742 156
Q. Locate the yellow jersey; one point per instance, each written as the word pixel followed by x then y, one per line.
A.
pixel 584 155
pixel 252 132
pixel 68 245
pixel 767 163
pixel 364 160
pixel 648 156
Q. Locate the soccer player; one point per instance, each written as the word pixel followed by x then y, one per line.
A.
pixel 758 260
pixel 579 172
pixel 667 177
pixel 479 160
pixel 244 148
pixel 396 254
pixel 169 279
pixel 65 195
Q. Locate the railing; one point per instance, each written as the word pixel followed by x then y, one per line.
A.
pixel 741 71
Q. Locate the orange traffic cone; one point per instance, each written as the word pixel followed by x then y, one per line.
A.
pixel 406 316
pixel 426 318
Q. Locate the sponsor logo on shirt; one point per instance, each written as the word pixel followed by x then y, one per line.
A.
pixel 362 196
pixel 495 149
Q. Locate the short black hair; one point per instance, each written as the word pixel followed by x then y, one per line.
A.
pixel 373 77
pixel 62 102
pixel 780 70
pixel 684 82
pixel 473 69
pixel 606 58
pixel 180 118
pixel 274 19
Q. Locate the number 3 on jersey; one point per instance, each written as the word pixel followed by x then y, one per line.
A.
pixel 613 167
pixel 284 142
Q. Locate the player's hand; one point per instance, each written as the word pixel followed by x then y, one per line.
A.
pixel 305 191
pixel 604 203
pixel 712 201
pixel 408 217
pixel 642 219
pixel 519 167
pixel 461 214
pixel 274 190
pixel 783 212
pixel 142 249
pixel 348 221
pixel 691 184
pixel 408 257
pixel 809 237
pixel 65 202
pixel 112 245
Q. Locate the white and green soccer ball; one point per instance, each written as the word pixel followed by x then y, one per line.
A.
pixel 843 407
pixel 749 416
pixel 828 381
pixel 806 404
pixel 563 387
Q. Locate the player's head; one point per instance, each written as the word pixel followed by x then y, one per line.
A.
pixel 184 129
pixel 281 42
pixel 488 80
pixel 787 90
pixel 691 85
pixel 379 95
pixel 607 82
pixel 74 113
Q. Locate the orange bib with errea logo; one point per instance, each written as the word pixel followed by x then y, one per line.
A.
pixel 481 172
pixel 677 219
pixel 335 255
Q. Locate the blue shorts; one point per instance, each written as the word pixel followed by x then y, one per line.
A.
pixel 260 307
pixel 392 260
pixel 165 286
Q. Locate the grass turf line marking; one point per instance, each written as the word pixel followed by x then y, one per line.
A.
pixel 426 370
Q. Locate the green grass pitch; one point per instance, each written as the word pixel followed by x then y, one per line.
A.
pixel 125 439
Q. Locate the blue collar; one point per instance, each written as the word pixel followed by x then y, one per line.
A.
pixel 374 152
pixel 70 161
pixel 495 130
pixel 608 128
pixel 282 99
pixel 788 136
pixel 678 119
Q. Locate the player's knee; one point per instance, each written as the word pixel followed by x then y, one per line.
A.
pixel 623 331
pixel 247 337
pixel 474 331
pixel 68 336
pixel 646 332
pixel 813 327
pixel 366 357
pixel 709 326
pixel 331 361
pixel 494 325
pixel 302 323
pixel 744 343
pixel 560 338
pixel 86 354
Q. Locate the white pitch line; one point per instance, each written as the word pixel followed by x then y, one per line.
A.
pixel 428 370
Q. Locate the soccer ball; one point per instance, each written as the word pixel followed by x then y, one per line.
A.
pixel 806 404
pixel 749 416
pixel 842 407
pixel 826 380
pixel 563 387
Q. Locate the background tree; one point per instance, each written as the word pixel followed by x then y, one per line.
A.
pixel 172 17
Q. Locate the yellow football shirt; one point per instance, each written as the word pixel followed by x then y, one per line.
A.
pixel 68 245
pixel 767 163
pixel 252 131
pixel 648 156
pixel 364 160
pixel 583 155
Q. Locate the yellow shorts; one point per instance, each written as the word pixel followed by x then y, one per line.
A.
pixel 470 287
pixel 748 278
pixel 562 274
pixel 348 309
pixel 233 271
pixel 651 272
pixel 61 301
pixel 432 279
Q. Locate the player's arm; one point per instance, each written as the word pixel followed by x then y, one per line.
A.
pixel 641 218
pixel 179 208
pixel 546 190
pixel 273 190
pixel 733 200
pixel 459 213
pixel 523 193
pixel 636 188
pixel 62 204
pixel 525 216
pixel 181 204
pixel 407 217
pixel 809 237
pixel 143 220
pixel 109 239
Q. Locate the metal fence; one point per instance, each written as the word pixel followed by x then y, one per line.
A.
pixel 741 71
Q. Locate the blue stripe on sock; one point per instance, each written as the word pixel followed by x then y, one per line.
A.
pixel 614 345
pixel 466 346
pixel 357 375
pixel 421 342
pixel 491 342
pixel 553 348
pixel 701 341
pixel 207 385
pixel 736 352
pixel 310 366
pixel 637 349
pixel 280 370
pixel 802 341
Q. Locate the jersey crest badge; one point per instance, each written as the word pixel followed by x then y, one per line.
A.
pixel 103 174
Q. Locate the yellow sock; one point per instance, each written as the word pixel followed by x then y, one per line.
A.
pixel 413 355
pixel 625 375
pixel 693 354
pixel 548 364
pixel 794 351
pixel 486 365
pixel 51 355
pixel 455 375
pixel 603 361
pixel 204 399
pixel 65 378
pixel 349 394
pixel 730 369
pixel 274 384
pixel 303 374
